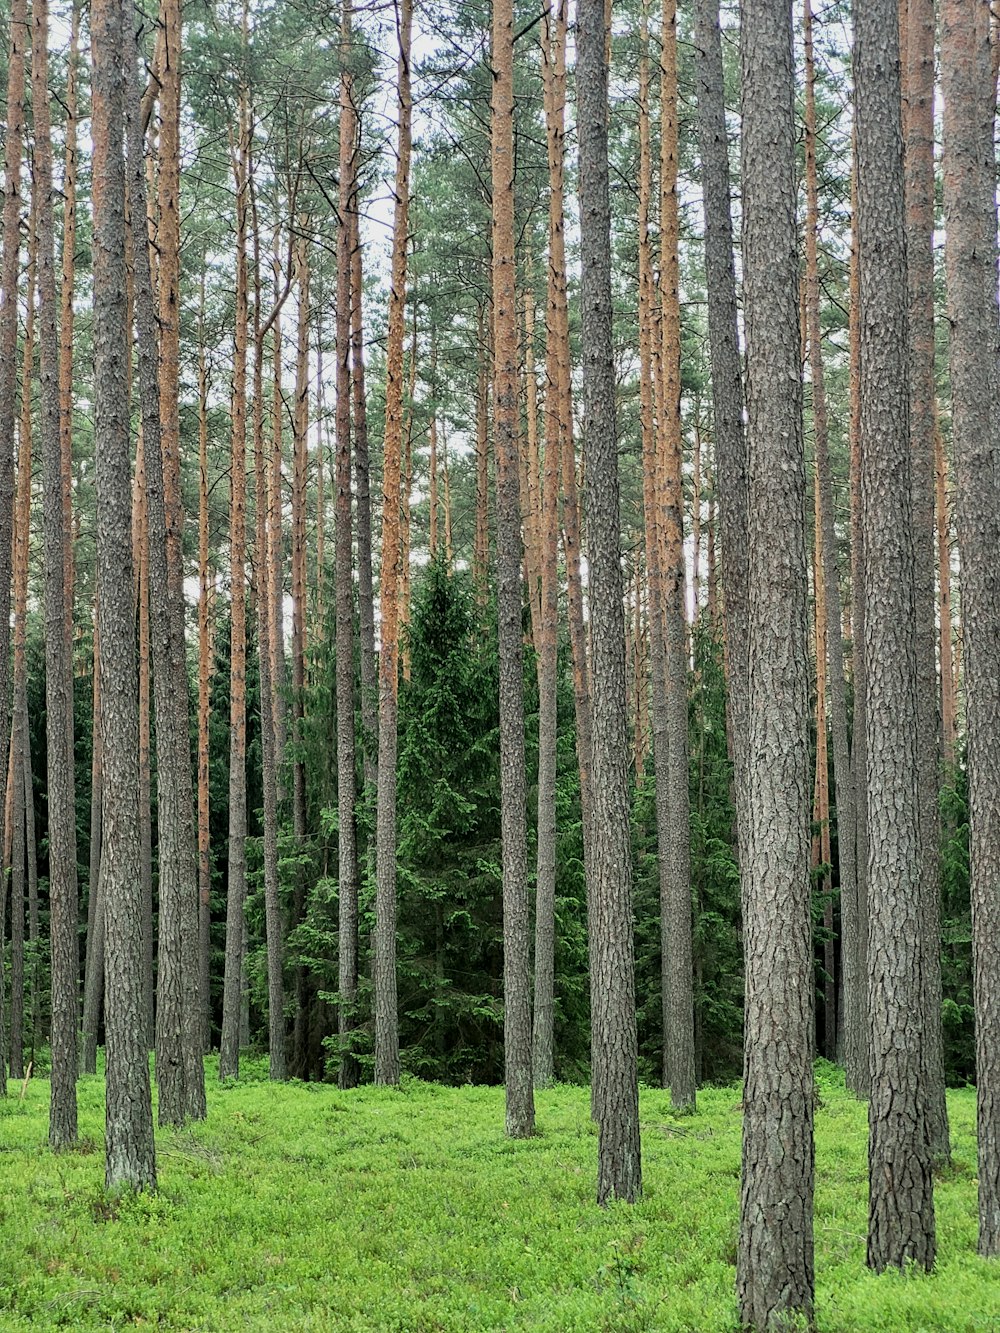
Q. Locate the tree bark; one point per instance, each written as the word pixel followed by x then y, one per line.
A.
pixel 204 684
pixel 63 898
pixel 130 1153
pixel 613 1022
pixel 366 595
pixel 520 1106
pixel 774 1267
pixel 971 271
pixel 901 1205
pixel 384 965
pixel 946 625
pixel 347 846
pixel 917 58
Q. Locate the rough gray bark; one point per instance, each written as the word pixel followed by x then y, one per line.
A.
pixel 614 1039
pixel 180 1078
pixel 918 129
pixel 842 774
pixel 520 1106
pixel 901 1205
pixel 971 270
pixel 93 974
pixel 130 1159
pixel 9 263
pixel 347 846
pixel 58 661
pixel 774 1272
pixel 384 962
pixel 727 381
pixel 366 594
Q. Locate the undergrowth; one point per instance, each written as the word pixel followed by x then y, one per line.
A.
pixel 299 1207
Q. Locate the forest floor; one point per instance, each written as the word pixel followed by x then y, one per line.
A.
pixel 299 1207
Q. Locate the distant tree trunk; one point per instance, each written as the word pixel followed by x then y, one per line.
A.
pixel 774 1266
pixel 833 628
pixel 971 270
pixel 727 386
pixel 276 547
pixel 300 483
pixel 543 1035
pixel 384 965
pixel 129 1135
pixel 857 1020
pixel 821 789
pixel 481 549
pixel 9 266
pixel 614 1040
pixel 204 683
pixel 19 735
pixel 229 1049
pixel 66 320
pixel 917 56
pixel 93 976
pixel 901 1204
pixel 58 664
pixel 520 1108
pixel 366 596
pixel 347 847
pixel 140 556
pixel 675 901
pixel 946 628
pixel 267 625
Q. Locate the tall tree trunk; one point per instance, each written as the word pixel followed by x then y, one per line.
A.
pixel 675 855
pixel 9 266
pixel 857 1025
pixel 613 1021
pixel 229 1049
pixel 481 548
pixel 130 1156
pixel 66 323
pixel 93 975
pixel 821 789
pixel 366 595
pixel 946 627
pixel 58 664
pixel 520 1106
pixel 901 1204
pixel 917 55
pixel 19 734
pixel 727 387
pixel 774 1266
pixel 384 965
pixel 140 556
pixel 267 626
pixel 971 269
pixel 347 847
pixel 833 606
pixel 204 683
pixel 276 546
pixel 543 1034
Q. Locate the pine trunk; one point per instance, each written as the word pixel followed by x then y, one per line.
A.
pixel 774 1266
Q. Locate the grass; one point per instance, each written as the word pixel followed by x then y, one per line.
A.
pixel 299 1207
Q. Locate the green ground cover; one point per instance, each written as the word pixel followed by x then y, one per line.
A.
pixel 299 1207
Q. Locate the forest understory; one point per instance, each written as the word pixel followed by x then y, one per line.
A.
pixel 296 1206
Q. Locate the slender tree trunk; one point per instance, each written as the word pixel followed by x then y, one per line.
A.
pixel 774 1266
pixel 520 1107
pixel 204 682
pixel 727 388
pixel 481 549
pixel 946 648
pixel 821 789
pixel 58 664
pixel 675 902
pixel 9 266
pixel 971 270
pixel 19 733
pixel 347 847
pixel 366 596
pixel 66 324
pixel 917 58
pixel 276 545
pixel 140 556
pixel 543 1035
pixel 129 1136
pixel 93 976
pixel 901 1203
pixel 833 628
pixel 857 1024
pixel 614 1040
pixel 229 1049
pixel 384 965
